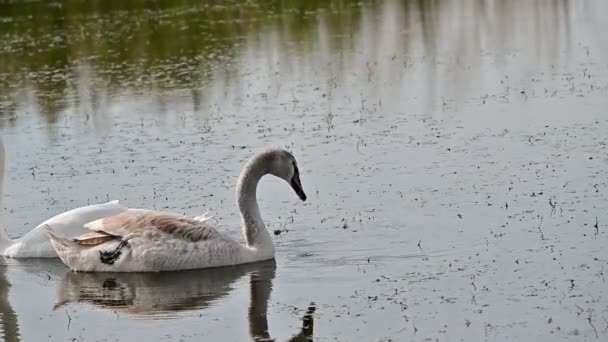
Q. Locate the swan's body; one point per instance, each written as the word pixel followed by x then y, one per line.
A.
pixel 152 241
pixel 36 243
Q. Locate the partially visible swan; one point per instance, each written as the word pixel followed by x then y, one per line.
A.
pixel 152 241
pixel 36 243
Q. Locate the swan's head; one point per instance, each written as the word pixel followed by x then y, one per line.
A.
pixel 283 165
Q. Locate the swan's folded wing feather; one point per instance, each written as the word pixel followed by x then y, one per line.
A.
pixel 94 238
pixel 177 226
pixel 118 225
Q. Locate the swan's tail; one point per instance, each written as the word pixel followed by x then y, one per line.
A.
pixel 63 247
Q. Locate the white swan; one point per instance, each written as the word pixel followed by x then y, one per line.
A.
pixel 36 243
pixel 152 241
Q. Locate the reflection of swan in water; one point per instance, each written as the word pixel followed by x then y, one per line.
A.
pixel 261 286
pixel 155 293
pixel 9 324
pixel 306 332
pixel 163 294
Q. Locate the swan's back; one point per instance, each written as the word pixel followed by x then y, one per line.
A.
pixel 155 222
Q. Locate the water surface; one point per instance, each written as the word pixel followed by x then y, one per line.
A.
pixel 454 154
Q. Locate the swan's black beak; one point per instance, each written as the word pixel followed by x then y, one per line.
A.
pixel 296 185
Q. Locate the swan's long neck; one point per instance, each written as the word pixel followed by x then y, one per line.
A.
pixel 4 240
pixel 254 229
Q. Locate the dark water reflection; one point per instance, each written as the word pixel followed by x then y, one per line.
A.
pixel 9 322
pixel 155 295
pixel 85 58
pixel 164 295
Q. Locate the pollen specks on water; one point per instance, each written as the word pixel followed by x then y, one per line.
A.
pixel 453 155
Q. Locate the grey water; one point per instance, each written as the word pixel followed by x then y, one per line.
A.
pixel 453 153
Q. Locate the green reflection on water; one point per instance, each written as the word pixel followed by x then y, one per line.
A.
pixel 53 52
pixel 141 44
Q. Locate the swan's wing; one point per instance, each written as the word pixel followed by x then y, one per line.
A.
pixel 145 241
pixel 94 238
pixel 36 244
pixel 141 221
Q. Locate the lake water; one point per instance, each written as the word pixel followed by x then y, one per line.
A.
pixel 453 153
